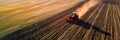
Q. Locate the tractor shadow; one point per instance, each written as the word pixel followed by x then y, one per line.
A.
pixel 110 2
pixel 87 26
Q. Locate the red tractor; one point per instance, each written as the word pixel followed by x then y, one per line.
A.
pixel 73 19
